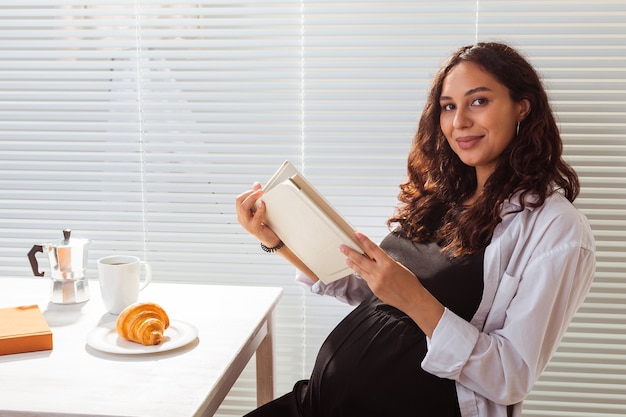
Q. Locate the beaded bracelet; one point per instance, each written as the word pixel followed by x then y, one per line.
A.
pixel 273 249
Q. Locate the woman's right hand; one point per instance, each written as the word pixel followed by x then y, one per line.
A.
pixel 251 216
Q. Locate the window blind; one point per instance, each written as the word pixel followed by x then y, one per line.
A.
pixel 136 123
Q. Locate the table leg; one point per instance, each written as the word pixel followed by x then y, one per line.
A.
pixel 265 365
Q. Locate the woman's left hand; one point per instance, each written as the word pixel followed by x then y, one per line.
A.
pixel 393 283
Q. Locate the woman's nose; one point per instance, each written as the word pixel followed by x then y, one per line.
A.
pixel 461 119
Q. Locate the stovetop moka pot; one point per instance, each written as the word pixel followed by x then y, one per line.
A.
pixel 68 263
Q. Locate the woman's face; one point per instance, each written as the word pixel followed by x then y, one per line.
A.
pixel 478 117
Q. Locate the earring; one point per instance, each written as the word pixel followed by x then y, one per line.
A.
pixel 517 129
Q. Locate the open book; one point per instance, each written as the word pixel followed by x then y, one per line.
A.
pixel 307 223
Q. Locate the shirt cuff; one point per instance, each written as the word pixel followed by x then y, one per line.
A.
pixel 450 346
pixel 350 290
pixel 304 279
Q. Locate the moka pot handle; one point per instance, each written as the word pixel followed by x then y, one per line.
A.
pixel 33 260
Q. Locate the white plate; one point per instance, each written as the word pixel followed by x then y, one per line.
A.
pixel 105 338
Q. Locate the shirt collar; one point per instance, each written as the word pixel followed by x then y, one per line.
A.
pixel 513 204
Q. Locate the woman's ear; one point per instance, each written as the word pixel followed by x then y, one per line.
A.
pixel 524 109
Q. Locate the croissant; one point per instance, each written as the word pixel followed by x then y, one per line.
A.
pixel 143 323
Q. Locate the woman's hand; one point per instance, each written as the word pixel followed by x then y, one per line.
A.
pixel 388 279
pixel 251 216
pixel 394 284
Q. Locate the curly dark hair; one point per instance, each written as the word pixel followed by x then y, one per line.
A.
pixel 439 182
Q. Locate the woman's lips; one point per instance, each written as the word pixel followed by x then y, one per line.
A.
pixel 466 142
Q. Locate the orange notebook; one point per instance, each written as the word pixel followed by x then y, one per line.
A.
pixel 23 329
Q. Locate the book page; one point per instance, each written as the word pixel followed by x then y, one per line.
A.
pixel 286 170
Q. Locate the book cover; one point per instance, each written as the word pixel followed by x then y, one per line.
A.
pixel 307 223
pixel 23 329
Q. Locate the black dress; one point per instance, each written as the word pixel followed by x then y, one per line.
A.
pixel 370 363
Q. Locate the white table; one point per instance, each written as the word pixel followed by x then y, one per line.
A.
pixel 74 379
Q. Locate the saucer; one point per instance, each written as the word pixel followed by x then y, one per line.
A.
pixel 105 339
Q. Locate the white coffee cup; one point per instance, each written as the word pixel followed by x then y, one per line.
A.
pixel 120 280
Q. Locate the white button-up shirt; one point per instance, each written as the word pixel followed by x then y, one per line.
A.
pixel 538 269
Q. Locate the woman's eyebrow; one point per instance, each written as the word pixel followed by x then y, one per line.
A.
pixel 467 93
